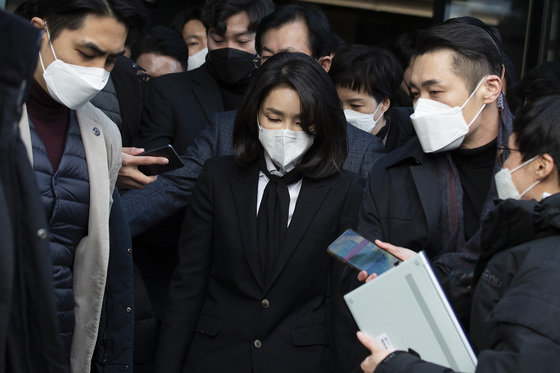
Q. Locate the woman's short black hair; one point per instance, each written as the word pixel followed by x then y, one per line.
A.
pixel 216 12
pixel 70 14
pixel 373 70
pixel 321 114
pixel 164 41
pixel 537 128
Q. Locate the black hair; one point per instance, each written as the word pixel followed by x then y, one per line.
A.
pixel 373 70
pixel 473 21
pixel 27 9
pixel 164 41
pixel 510 74
pixel 216 12
pixel 405 46
pixel 321 114
pixel 321 39
pixel 189 14
pixel 530 89
pixel 70 14
pixel 537 128
pixel 476 54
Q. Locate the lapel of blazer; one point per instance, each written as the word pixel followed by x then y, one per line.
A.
pixel 207 92
pixel 310 199
pixel 244 188
pixel 424 176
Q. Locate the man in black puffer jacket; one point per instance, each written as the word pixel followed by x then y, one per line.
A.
pixel 516 304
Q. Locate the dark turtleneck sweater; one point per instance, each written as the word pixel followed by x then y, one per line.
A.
pixel 476 169
pixel 50 119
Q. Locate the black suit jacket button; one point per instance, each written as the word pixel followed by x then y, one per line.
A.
pixel 42 234
pixel 265 303
pixel 257 343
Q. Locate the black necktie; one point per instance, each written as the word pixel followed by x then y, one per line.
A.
pixel 272 219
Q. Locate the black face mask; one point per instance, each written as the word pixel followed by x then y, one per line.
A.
pixel 231 66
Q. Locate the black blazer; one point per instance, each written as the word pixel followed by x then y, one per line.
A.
pixel 177 107
pixel 221 316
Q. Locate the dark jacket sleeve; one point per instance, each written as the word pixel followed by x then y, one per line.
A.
pixel 521 350
pixel 171 191
pixel 190 279
pixel 346 349
pixel 157 127
pixel 403 362
pixel 369 224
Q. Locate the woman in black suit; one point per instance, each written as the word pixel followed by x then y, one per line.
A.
pixel 255 290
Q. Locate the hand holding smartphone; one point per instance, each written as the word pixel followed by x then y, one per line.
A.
pixel 166 151
pixel 361 254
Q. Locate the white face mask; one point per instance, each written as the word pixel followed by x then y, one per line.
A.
pixel 504 183
pixel 285 147
pixel 441 127
pixel 365 122
pixel 72 85
pixel 197 59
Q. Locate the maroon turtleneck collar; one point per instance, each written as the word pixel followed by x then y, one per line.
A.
pixel 51 121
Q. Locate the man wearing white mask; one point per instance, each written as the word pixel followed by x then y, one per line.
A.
pixel 75 151
pixel 432 193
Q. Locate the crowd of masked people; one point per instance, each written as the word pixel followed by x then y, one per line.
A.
pixel 288 136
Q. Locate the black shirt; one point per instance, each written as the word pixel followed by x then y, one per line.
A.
pixel 476 169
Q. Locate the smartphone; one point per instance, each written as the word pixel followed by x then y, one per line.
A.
pixel 166 151
pixel 361 254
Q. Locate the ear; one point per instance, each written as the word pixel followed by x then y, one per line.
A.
pixel 38 22
pixel 385 104
pixel 545 166
pixel 325 62
pixel 491 89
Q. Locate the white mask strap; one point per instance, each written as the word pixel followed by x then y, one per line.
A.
pixel 50 44
pixel 50 41
pixel 477 114
pixel 520 166
pixel 473 92
pixel 375 112
pixel 528 189
pixel 524 163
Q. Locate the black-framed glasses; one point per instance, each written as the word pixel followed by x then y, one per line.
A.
pixel 502 153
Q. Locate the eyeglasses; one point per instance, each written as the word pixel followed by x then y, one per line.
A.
pixel 502 153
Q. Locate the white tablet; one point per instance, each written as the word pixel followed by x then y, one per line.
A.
pixel 406 308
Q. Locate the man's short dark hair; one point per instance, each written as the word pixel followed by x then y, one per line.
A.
pixel 70 14
pixel 475 51
pixel 321 113
pixel 216 12
pixel 320 37
pixel 189 14
pixel 537 128
pixel 373 70
pixel 164 41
